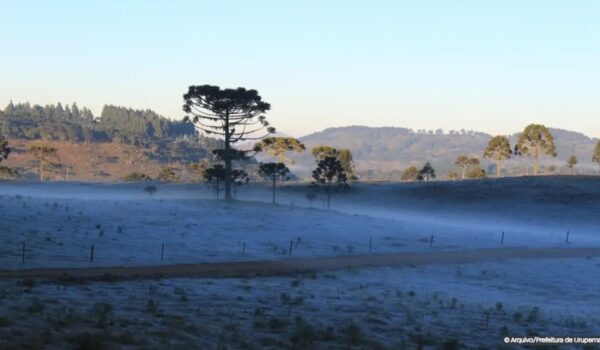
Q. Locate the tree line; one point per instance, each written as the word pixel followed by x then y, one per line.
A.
pixel 70 123
pixel 535 143
pixel 235 116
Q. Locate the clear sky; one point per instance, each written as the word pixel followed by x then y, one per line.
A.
pixel 491 66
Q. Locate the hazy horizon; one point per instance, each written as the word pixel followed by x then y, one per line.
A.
pixel 492 67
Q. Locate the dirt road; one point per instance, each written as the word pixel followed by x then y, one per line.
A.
pixel 299 265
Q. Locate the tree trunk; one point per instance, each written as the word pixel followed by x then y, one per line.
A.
pixel 328 194
pixel 227 159
pixel 463 170
pixel 499 168
pixel 273 189
pixel 536 160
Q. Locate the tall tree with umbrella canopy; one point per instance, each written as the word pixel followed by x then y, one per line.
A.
pixel 236 115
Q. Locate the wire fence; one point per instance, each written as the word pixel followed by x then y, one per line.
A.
pixel 38 253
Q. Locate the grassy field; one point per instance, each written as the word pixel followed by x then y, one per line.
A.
pixel 445 305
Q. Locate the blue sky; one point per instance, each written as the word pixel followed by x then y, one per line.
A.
pixel 492 66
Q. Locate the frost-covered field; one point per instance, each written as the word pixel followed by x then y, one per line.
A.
pixel 474 305
pixel 434 305
pixel 59 224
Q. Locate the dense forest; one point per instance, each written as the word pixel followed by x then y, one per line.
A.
pixel 170 140
pixel 70 123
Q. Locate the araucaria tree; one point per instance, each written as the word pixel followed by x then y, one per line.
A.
pixel 571 162
pixel 466 162
pixel 273 172
pixel 46 158
pixel 427 172
pixel 596 156
pixel 536 141
pixel 343 155
pixel 330 175
pixel 498 149
pixel 236 115
pixel 278 146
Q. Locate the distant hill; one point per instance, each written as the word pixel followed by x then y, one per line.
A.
pixel 381 153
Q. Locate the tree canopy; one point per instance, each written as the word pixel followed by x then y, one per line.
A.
pixel 410 174
pixel 278 146
pixel 330 175
pixel 499 150
pixel 536 141
pixel 466 162
pixel 343 155
pixel 427 172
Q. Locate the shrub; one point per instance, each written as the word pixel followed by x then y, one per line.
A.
pixel 136 177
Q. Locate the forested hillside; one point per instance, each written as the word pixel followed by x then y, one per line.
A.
pixel 107 147
pixel 381 153
pixel 70 123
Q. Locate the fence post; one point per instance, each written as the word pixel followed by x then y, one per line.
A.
pixel 567 240
pixel 502 239
pixel 243 248
pixel 162 251
pixel 431 241
pixel 92 254
pixel 23 254
pixel 291 242
pixel 370 244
